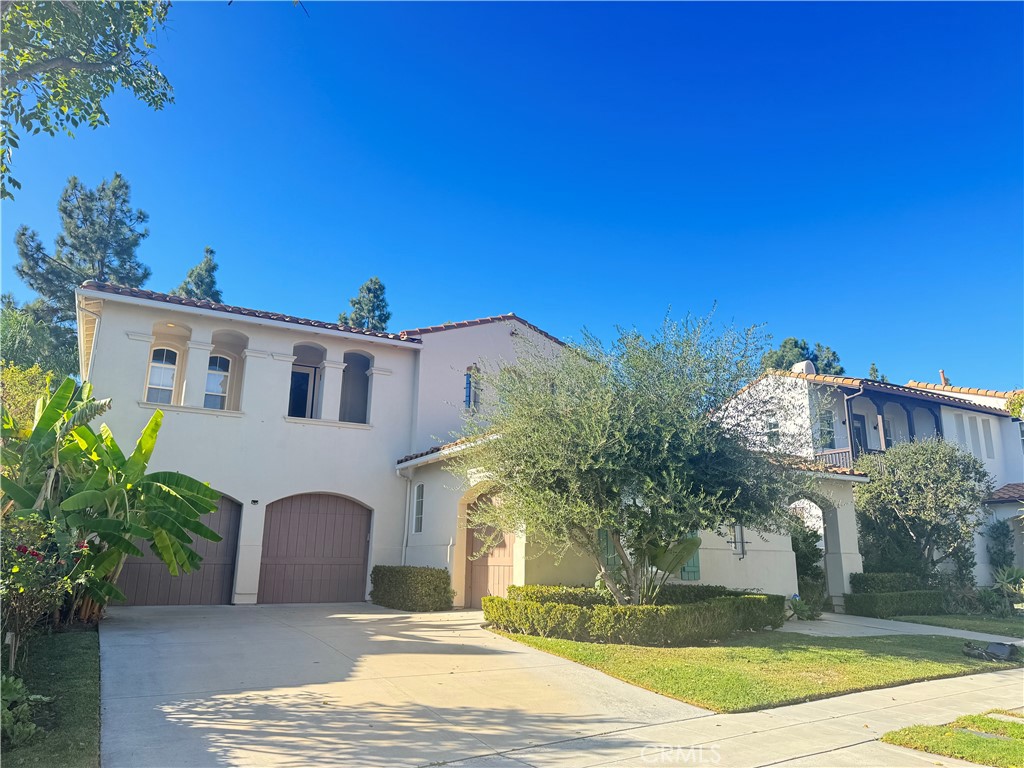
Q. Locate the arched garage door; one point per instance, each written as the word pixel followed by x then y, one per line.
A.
pixel 315 550
pixel 146 580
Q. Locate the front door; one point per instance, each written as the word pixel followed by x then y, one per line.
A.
pixel 860 435
pixel 489 574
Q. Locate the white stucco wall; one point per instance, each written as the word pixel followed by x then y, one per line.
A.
pixel 769 563
pixel 256 455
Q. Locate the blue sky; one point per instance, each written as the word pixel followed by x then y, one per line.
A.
pixel 849 173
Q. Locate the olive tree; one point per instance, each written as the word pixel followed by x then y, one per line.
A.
pixel 928 494
pixel 634 446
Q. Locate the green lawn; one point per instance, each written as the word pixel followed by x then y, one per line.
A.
pixel 990 624
pixel 65 666
pixel 769 669
pixel 976 738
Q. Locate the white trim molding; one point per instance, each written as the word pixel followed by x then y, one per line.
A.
pixel 138 336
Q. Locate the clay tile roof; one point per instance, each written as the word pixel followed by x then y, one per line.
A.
pixel 896 389
pixel 962 390
pixel 166 298
pixel 511 316
pixel 434 450
pixel 1009 492
pixel 811 465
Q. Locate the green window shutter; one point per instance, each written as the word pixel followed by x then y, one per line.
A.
pixel 691 568
pixel 611 557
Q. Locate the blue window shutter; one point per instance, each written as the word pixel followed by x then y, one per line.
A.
pixel 469 390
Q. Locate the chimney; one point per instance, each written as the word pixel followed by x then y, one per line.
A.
pixel 804 367
pixel 942 378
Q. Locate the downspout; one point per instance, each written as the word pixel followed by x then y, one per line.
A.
pixel 408 504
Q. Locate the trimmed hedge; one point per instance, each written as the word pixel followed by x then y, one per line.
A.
pixel 662 625
pixel 543 593
pixel 861 583
pixel 411 588
pixel 684 594
pixel 884 605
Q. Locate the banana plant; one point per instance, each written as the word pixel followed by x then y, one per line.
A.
pixel 102 501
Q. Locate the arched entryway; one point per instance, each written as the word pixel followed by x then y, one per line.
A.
pixel 146 580
pixel 315 550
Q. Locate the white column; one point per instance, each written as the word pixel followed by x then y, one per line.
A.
pixel 374 375
pixel 196 366
pixel 330 389
pixel 250 552
pixel 842 553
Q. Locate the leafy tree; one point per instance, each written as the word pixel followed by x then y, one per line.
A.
pixel 808 553
pixel 792 351
pixel 100 234
pixel 1015 403
pixel 21 389
pixel 61 60
pixel 925 499
pixel 875 375
pixel 201 281
pixel 26 342
pixel 369 308
pixel 621 453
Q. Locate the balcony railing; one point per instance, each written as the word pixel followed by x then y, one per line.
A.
pixel 838 457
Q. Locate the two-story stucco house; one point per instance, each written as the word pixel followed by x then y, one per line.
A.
pixel 844 417
pixel 329 444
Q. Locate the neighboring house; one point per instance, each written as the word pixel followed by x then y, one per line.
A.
pixel 842 418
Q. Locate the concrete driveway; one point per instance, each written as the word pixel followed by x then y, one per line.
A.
pixel 355 685
pixel 350 685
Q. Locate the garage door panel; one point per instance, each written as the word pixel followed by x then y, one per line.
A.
pixel 146 580
pixel 315 549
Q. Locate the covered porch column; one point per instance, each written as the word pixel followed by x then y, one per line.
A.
pixel 842 551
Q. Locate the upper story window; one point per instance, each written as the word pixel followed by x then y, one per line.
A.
pixel 828 429
pixel 306 382
pixel 773 434
pixel 417 510
pixel 218 375
pixel 472 393
pixel 889 434
pixel 1020 428
pixel 162 368
pixel 355 388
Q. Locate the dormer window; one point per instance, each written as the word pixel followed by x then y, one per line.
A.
pixel 160 384
pixel 217 375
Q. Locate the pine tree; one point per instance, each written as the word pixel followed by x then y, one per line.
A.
pixel 875 375
pixel 792 351
pixel 201 280
pixel 369 308
pixel 100 234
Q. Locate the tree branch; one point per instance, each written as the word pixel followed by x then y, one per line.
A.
pixel 65 63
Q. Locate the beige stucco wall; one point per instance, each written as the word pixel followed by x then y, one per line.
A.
pixel 256 455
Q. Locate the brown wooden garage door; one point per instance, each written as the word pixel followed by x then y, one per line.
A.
pixel 490 574
pixel 315 550
pixel 146 580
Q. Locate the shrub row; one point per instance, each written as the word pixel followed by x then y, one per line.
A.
pixel 861 583
pixel 670 594
pixel 883 605
pixel 662 625
pixel 411 588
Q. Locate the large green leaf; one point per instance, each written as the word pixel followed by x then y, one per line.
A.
pixel 21 496
pixel 669 559
pixel 111 445
pixel 42 432
pixel 162 546
pixel 184 484
pixel 83 500
pixel 135 467
pixel 201 530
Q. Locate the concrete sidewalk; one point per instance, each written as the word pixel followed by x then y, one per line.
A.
pixel 844 625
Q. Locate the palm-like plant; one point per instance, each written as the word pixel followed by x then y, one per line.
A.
pixel 100 500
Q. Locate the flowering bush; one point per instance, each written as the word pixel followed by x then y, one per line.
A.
pixel 33 578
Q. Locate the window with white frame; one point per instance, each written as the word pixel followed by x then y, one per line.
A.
pixel 218 374
pixel 417 509
pixel 889 434
pixel 163 365
pixel 827 422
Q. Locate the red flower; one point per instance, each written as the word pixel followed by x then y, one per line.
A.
pixel 22 548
